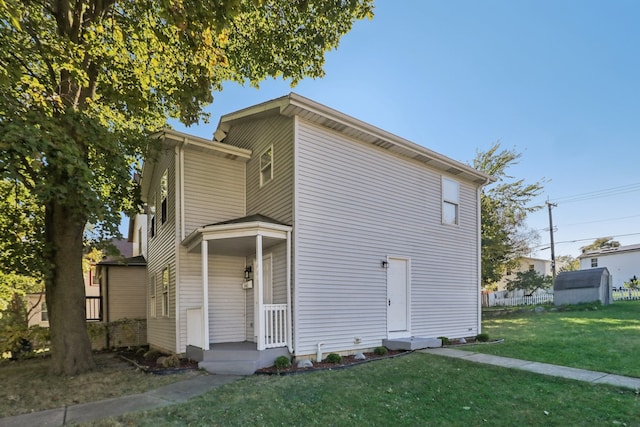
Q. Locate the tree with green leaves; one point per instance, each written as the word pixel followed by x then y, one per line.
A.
pixel 83 85
pixel 601 243
pixel 529 281
pixel 504 208
pixel 567 263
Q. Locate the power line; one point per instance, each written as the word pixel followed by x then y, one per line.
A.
pixel 613 191
pixel 587 239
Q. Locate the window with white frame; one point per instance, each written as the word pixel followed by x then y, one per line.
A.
pixel 266 166
pixel 532 267
pixel 450 201
pixel 44 314
pixel 164 192
pixel 594 262
pixel 152 296
pixel 165 292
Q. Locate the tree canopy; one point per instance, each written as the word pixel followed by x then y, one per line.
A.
pixel 529 281
pixel 601 243
pixel 504 208
pixel 83 83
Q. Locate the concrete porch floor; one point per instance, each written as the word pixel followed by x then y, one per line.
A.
pixel 235 358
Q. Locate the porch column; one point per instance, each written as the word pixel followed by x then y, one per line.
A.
pixel 205 294
pixel 259 313
pixel 289 311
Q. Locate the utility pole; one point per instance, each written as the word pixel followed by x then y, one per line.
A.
pixel 553 252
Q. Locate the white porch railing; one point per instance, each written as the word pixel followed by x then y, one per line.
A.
pixel 275 325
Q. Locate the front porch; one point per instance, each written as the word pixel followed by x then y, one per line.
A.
pixel 254 244
pixel 237 358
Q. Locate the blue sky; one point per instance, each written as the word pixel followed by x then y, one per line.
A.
pixel 557 80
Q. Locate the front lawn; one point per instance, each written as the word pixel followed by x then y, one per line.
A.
pixel 599 338
pixel 415 390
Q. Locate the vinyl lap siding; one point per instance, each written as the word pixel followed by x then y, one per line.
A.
pixel 213 189
pixel 357 204
pixel 275 198
pixel 161 330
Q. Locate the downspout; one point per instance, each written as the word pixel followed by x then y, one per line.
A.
pixel 179 216
pixel 479 251
pixel 288 280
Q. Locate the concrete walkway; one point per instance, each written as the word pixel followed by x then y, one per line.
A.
pixel 171 394
pixel 182 391
pixel 540 368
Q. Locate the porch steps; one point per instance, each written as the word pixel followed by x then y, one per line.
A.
pixel 413 343
pixel 236 358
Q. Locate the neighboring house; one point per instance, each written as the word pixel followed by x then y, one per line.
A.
pixel 622 262
pixel 541 266
pixel 583 286
pixel 115 288
pixel 303 229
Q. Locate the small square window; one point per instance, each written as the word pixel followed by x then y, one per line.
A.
pixel 532 267
pixel 266 166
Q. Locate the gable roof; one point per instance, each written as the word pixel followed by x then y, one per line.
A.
pixel 295 105
pixel 580 279
pixel 610 251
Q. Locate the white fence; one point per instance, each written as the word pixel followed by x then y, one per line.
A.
pixel 626 294
pixel 498 299
pixel 495 299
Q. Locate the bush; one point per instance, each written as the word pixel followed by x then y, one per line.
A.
pixel 445 340
pixel 483 337
pixel 380 351
pixel 282 362
pixel 172 361
pixel 333 358
pixel 152 355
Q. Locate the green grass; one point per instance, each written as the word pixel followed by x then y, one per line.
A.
pixel 599 338
pixel 419 389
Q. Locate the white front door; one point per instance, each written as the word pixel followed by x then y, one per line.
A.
pixel 398 297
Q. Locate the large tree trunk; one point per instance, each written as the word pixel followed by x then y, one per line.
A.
pixel 70 344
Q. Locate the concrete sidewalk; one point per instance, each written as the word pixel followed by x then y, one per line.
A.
pixel 171 394
pixel 539 368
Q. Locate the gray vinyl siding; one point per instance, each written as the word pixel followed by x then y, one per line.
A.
pixel 213 189
pixel 357 204
pixel 127 292
pixel 161 330
pixel 213 192
pixel 275 198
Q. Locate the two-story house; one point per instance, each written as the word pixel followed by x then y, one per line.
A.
pixel 302 229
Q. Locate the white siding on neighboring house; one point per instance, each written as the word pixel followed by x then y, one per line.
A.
pixel 356 205
pixel 541 266
pixel 623 263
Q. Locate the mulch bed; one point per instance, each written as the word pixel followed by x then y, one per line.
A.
pixel 151 365
pixel 347 361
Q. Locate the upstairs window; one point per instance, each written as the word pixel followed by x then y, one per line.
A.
pixel 164 192
pixel 450 201
pixel 266 166
pixel 532 267
pixel 594 262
